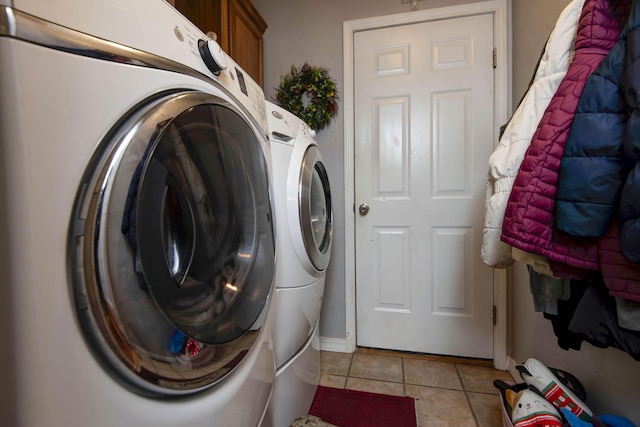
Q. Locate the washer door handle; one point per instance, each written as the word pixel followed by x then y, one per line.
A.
pixel 363 209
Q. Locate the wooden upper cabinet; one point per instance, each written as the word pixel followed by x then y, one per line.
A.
pixel 237 24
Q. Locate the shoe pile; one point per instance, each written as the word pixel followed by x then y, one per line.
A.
pixel 549 397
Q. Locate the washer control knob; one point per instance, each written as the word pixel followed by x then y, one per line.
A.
pixel 213 56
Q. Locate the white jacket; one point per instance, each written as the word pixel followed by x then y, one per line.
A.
pixel 505 160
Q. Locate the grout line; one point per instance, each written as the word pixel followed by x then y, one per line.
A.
pixel 460 378
pixel 473 411
pixel 436 387
pixel 380 380
pixel 466 396
pixel 404 380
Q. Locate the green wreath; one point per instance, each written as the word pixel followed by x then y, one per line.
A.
pixel 309 93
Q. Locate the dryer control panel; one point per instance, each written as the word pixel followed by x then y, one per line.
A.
pixel 166 34
pixel 245 90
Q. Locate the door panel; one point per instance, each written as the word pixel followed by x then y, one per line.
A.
pixel 423 136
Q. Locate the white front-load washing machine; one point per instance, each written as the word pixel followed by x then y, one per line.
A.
pixel 138 249
pixel 304 220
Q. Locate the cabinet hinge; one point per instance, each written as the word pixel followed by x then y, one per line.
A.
pixel 495 316
pixel 495 57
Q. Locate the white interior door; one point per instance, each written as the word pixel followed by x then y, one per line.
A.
pixel 424 105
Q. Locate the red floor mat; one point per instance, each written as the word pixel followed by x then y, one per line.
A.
pixel 350 408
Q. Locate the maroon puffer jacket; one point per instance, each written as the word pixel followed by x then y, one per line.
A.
pixel 621 276
pixel 528 221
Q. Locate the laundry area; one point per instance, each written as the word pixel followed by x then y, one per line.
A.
pixel 139 226
pixel 243 213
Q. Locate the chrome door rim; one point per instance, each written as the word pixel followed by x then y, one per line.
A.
pixel 143 368
pixel 319 254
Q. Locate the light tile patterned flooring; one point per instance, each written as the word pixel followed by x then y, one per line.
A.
pixel 448 391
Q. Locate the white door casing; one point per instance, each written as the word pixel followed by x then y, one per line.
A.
pixel 444 188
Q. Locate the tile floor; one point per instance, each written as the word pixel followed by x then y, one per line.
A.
pixel 448 391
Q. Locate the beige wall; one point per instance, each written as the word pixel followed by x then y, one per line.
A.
pixel 532 21
pixel 311 30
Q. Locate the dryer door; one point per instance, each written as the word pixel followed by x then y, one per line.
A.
pixel 173 245
pixel 316 215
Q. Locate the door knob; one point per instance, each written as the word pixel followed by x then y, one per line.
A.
pixel 363 209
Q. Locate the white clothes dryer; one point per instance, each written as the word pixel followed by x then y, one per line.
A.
pixel 304 225
pixel 138 247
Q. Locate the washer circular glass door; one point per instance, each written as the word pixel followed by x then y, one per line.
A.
pixel 316 215
pixel 172 244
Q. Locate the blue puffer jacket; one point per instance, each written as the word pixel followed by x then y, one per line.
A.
pixel 598 176
pixel 629 213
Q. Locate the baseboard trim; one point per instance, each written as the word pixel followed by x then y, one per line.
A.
pixel 338 345
pixel 511 367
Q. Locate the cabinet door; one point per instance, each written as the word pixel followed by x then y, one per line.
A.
pixel 208 15
pixel 246 28
pixel 237 24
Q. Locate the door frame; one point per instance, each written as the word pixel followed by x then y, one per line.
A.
pixel 502 107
